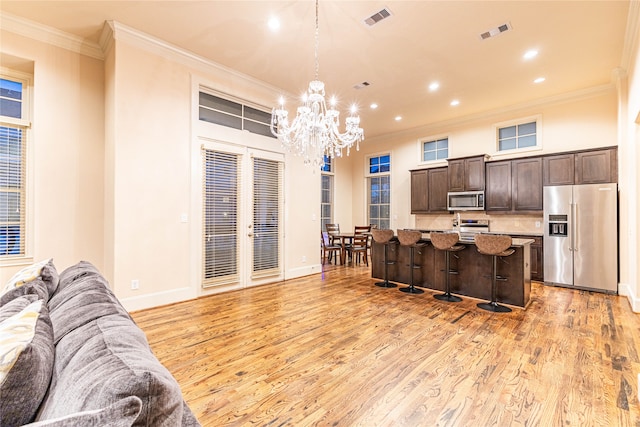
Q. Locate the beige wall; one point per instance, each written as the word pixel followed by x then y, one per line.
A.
pixel 67 141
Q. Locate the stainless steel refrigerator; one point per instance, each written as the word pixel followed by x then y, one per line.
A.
pixel 581 236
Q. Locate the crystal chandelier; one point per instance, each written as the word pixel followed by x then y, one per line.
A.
pixel 314 132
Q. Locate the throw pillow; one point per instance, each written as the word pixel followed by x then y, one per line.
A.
pixel 26 358
pixel 121 414
pixel 42 276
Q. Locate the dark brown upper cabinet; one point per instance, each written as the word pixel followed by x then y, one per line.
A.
pixel 583 167
pixel 467 174
pixel 429 190
pixel 514 185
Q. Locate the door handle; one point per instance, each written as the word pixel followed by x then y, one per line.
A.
pixel 575 227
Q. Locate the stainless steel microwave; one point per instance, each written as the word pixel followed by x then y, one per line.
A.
pixel 465 201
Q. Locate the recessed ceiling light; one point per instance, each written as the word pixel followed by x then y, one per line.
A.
pixel 454 102
pixel 373 106
pixel 539 80
pixel 274 23
pixel 530 54
pixel 398 118
pixel 434 86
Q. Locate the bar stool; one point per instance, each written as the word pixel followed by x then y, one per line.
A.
pixel 495 245
pixel 383 237
pixel 410 238
pixel 446 241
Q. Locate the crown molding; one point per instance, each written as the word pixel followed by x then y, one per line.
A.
pixel 491 114
pixel 46 34
pixel 123 33
pixel 631 36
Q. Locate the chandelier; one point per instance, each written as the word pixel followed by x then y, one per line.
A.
pixel 314 132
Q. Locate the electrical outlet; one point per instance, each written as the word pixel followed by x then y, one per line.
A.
pixel 135 284
pixel 304 258
pixel 537 224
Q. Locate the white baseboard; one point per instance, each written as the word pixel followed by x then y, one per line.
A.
pixel 157 299
pixel 627 290
pixel 302 271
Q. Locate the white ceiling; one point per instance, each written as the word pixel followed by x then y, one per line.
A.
pixel 580 43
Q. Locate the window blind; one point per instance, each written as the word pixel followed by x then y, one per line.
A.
pixel 221 197
pixel 12 190
pixel 267 217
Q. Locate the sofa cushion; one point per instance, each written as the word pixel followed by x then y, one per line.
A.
pixel 123 413
pixel 26 358
pixel 83 296
pixel 41 278
pixel 105 360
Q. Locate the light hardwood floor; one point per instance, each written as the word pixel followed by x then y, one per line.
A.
pixel 333 349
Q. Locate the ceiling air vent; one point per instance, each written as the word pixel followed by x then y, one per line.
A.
pixel 377 17
pixel 361 85
pixel 495 31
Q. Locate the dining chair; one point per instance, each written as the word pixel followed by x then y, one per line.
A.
pixel 329 249
pixel 366 230
pixel 332 229
pixel 359 245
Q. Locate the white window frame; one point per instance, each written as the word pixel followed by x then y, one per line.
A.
pixel 26 79
pixel 433 138
pixel 368 175
pixel 520 121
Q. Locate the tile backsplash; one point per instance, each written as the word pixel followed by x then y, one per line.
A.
pixel 497 223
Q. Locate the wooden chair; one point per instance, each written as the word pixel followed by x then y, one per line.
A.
pixel 329 248
pixel 359 245
pixel 366 230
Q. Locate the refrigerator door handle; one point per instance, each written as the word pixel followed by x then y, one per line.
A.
pixel 570 227
pixel 574 233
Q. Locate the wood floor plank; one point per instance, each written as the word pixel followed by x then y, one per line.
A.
pixel 333 349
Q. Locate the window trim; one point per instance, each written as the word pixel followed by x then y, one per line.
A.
pixel 25 122
pixel 514 122
pixel 420 145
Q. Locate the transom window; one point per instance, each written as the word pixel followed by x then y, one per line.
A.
pixel 436 149
pixel 380 164
pixel 517 136
pixel 221 111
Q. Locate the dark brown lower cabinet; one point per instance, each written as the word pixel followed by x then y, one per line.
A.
pixel 537 257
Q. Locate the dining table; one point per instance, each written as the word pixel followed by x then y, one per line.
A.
pixel 345 238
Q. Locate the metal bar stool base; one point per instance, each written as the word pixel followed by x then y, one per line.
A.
pixel 494 306
pixel 447 297
pixel 411 290
pixel 386 284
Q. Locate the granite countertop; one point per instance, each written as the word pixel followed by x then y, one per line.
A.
pixel 514 242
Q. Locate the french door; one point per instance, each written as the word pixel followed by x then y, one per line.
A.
pixel 242 216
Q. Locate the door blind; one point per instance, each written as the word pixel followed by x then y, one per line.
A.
pixel 221 186
pixel 267 217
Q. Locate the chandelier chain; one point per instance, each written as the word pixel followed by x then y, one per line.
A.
pixel 317 44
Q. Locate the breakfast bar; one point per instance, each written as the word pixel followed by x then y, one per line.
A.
pixel 474 270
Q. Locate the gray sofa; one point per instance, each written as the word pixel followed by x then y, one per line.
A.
pixel 84 361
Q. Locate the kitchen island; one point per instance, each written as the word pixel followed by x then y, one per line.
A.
pixel 474 270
